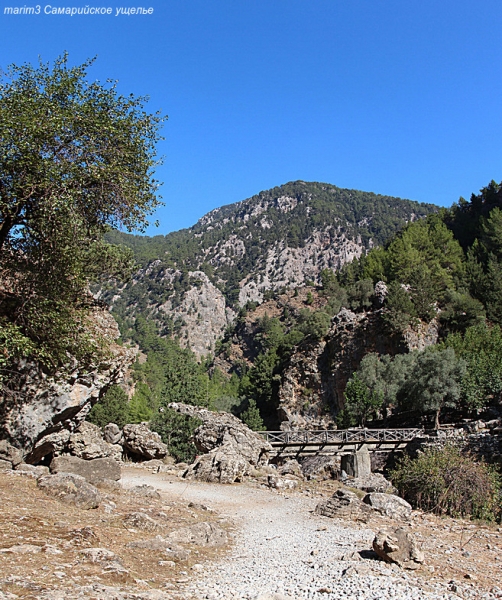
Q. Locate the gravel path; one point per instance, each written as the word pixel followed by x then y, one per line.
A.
pixel 284 551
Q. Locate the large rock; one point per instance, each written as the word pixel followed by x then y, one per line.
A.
pixel 71 489
pixel 10 454
pixel 357 464
pixel 141 441
pixel 93 471
pixel 219 428
pixel 113 434
pixel 39 404
pixel 87 442
pixel 389 505
pixel 374 482
pixel 344 505
pixel 230 449
pixel 398 546
pixel 222 465
pixel 321 467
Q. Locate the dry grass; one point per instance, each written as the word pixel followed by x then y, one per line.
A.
pixel 30 517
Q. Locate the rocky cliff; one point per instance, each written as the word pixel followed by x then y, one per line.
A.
pixel 313 383
pixel 38 404
pixel 191 282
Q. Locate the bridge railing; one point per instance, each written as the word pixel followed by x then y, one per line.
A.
pixel 339 436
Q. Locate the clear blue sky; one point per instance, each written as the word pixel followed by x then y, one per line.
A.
pixel 392 96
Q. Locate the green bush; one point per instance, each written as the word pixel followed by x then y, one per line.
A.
pixel 112 408
pixel 446 481
pixel 176 431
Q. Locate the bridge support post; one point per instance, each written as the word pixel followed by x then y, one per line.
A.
pixel 357 464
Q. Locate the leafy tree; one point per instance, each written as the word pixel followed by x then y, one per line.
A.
pixel 112 408
pixel 360 402
pixel 251 417
pixel 481 348
pixel 385 375
pixel 314 324
pixel 176 431
pixel 76 158
pixel 434 382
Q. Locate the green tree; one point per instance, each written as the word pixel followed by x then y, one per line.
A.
pixel 434 382
pixel 251 417
pixel 360 402
pixel 112 408
pixel 76 158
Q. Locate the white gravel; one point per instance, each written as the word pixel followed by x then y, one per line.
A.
pixel 284 551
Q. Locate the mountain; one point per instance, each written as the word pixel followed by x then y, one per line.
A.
pixel 192 282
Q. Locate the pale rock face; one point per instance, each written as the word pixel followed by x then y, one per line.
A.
pixel 204 312
pixel 43 405
pixel 291 267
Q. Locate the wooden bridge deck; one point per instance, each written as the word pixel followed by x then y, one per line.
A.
pixel 338 441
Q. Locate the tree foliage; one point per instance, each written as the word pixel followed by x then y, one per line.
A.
pixel 434 382
pixel 445 481
pixel 76 158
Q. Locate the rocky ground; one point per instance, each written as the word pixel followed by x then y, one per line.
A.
pixel 139 545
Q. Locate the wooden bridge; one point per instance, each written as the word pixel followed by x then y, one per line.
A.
pixel 338 441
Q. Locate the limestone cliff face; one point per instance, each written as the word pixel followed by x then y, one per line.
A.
pixel 314 382
pixel 192 281
pixel 39 404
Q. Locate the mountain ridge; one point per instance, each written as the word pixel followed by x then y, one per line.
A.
pixel 192 282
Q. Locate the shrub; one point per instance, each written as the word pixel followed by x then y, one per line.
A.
pixel 112 408
pixel 447 481
pixel 177 432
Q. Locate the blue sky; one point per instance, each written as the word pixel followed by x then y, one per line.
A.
pixel 395 97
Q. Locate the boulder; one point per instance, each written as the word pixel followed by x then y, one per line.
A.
pixel 344 505
pixel 71 489
pixel 222 465
pixel 291 467
pixel 219 428
pixel 230 449
pixel 389 505
pixel 32 470
pixel 41 404
pixel 357 464
pixel 5 465
pixel 321 467
pixel 113 434
pixel 87 442
pixel 374 482
pixel 141 441
pixel 140 520
pixel 398 546
pixel 282 483
pixel 10 454
pixel 92 470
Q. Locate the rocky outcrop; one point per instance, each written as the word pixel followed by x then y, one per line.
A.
pixel 344 505
pixel 39 405
pixel 389 505
pixel 142 442
pixel 398 546
pixel 86 442
pixel 324 368
pixel 93 471
pixel 71 489
pixel 230 449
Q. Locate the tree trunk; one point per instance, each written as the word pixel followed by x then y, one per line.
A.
pixel 436 420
